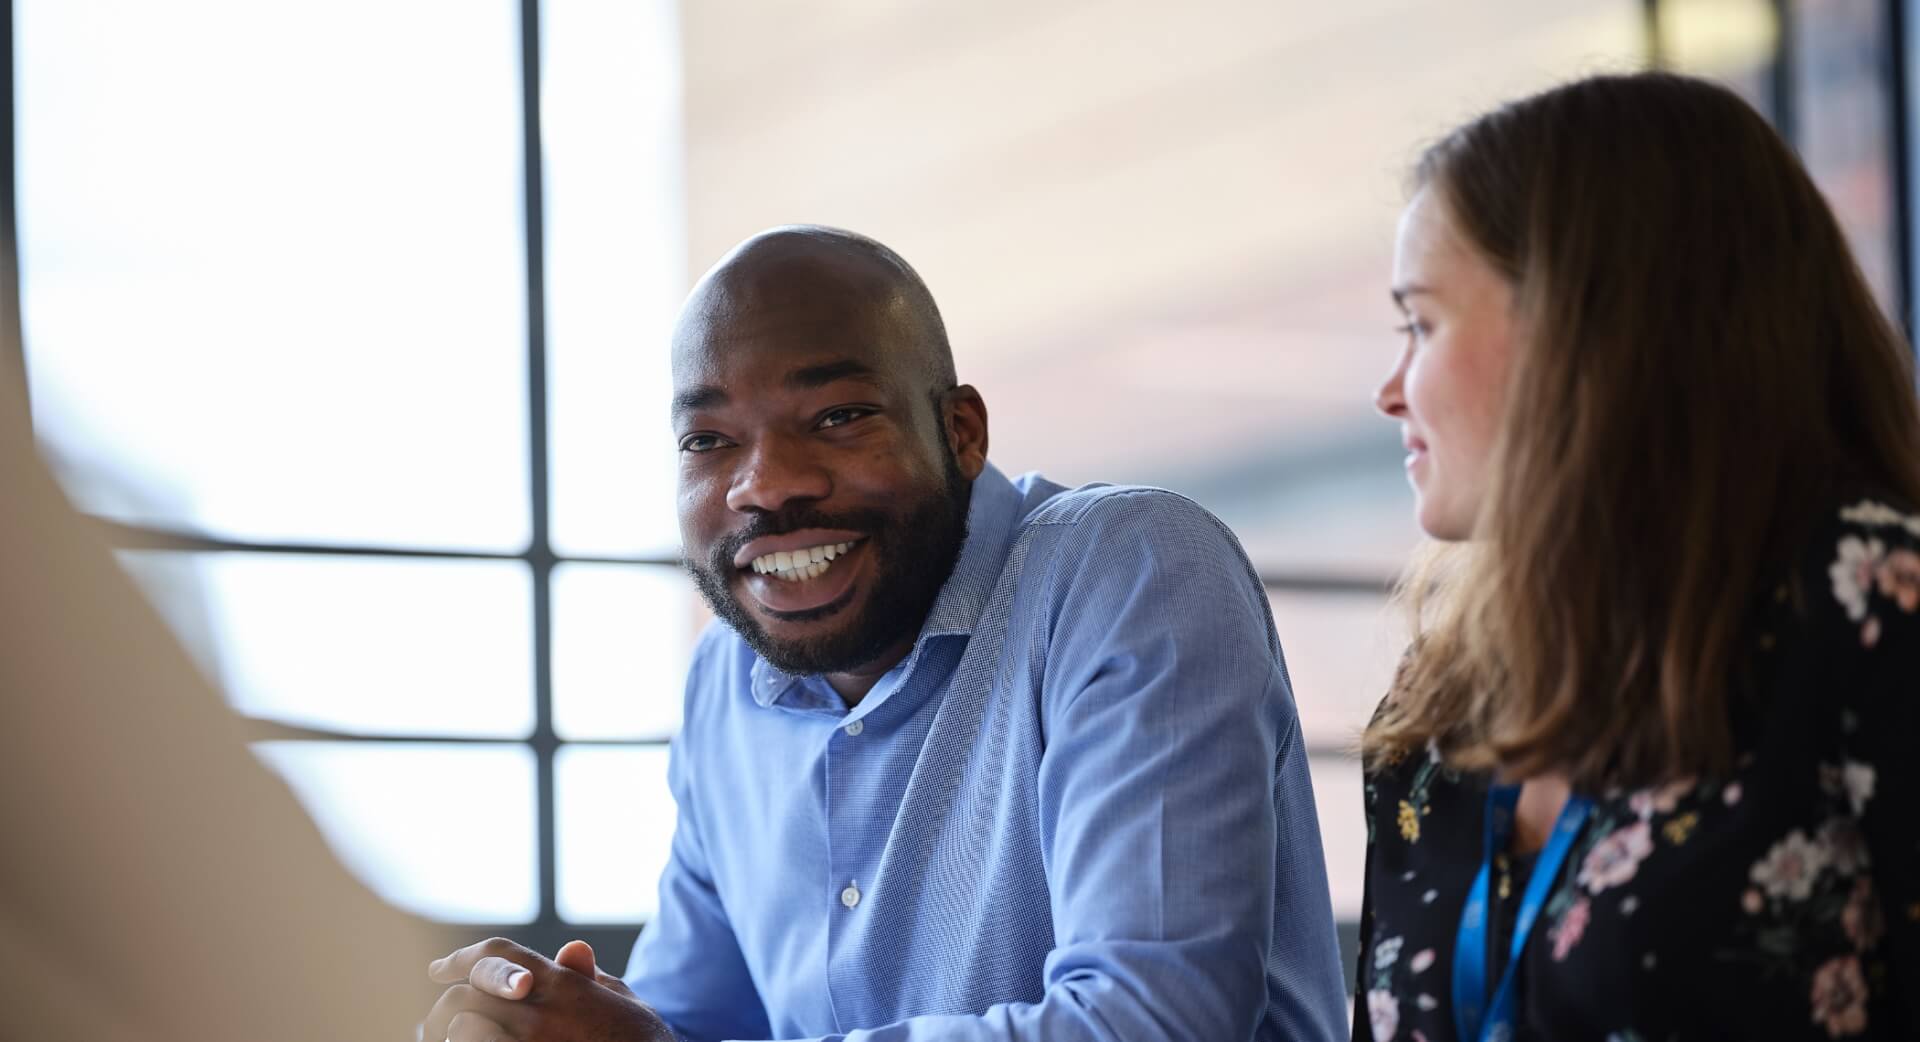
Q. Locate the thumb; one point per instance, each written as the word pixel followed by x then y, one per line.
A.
pixel 578 957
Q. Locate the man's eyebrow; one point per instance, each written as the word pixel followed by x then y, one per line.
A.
pixel 694 399
pixel 809 377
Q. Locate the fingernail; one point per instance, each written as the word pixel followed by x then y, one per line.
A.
pixel 514 979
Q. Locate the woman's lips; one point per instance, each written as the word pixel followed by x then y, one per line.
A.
pixel 1416 449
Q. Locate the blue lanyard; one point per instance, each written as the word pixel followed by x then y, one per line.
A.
pixel 1478 1017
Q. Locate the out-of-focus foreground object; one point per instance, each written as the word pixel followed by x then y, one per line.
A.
pixel 158 882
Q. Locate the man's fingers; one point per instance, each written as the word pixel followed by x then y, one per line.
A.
pixel 576 956
pixel 465 998
pixel 453 969
pixel 502 977
pixel 467 1026
pixel 608 980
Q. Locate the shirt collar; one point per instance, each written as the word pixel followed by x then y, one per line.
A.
pixel 991 512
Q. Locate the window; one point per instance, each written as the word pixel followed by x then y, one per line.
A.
pixel 1824 72
pixel 368 371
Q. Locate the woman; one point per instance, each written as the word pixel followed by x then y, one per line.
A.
pixel 1657 730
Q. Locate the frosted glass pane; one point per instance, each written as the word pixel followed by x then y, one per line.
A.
pixel 447 832
pixel 1341 653
pixel 355 644
pixel 622 635
pixel 1338 798
pixel 615 828
pixel 272 269
pixel 616 269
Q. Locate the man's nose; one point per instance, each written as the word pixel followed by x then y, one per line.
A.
pixel 776 472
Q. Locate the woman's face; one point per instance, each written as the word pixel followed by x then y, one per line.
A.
pixel 1449 385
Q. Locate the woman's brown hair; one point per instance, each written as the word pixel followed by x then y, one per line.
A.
pixel 1701 368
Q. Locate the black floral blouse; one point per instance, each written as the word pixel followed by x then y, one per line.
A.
pixel 1782 901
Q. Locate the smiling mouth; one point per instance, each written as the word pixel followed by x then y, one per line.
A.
pixel 799 565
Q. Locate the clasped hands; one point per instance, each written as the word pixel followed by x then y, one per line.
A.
pixel 503 992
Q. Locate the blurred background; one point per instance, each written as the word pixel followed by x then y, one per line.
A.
pixel 348 322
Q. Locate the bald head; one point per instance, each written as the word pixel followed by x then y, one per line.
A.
pixel 818 284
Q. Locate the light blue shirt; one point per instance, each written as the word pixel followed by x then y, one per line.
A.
pixel 1079 809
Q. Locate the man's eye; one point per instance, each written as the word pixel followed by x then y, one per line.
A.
pixel 842 416
pixel 700 443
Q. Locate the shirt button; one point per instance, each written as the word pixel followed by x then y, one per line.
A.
pixel 854 729
pixel 851 895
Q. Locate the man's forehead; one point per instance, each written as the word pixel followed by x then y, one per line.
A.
pixel 749 363
pixel 791 325
pixel 771 341
pixel 724 372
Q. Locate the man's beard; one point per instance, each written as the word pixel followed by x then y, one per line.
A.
pixel 914 550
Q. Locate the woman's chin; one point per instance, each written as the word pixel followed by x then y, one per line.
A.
pixel 1440 522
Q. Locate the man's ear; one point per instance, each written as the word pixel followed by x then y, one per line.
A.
pixel 964 417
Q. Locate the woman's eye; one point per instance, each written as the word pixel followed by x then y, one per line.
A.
pixel 843 416
pixel 1413 328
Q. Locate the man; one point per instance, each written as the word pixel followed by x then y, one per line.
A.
pixel 970 758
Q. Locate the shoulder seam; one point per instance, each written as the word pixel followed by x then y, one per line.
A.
pixel 1105 493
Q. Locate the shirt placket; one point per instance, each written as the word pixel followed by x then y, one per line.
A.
pixel 854 842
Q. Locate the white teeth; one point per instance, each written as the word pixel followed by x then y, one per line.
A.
pixel 798 565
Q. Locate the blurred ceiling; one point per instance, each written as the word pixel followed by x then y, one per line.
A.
pixel 1160 233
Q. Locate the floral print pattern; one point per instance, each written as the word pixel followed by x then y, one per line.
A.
pixel 1861 917
pixel 1864 564
pixel 1853 571
pixel 1839 998
pixel 1383 1014
pixel 1763 895
pixel 1571 926
pixel 1789 869
pixel 1614 860
pixel 1898 577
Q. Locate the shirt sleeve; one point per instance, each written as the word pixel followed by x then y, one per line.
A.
pixel 1188 889
pixel 1876 579
pixel 687 963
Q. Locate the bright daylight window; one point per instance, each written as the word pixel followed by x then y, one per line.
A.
pixel 282 292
